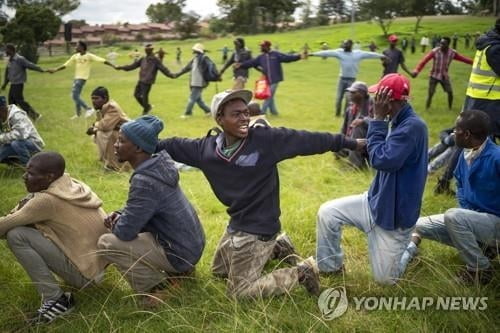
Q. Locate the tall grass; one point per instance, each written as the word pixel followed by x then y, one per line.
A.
pixel 305 101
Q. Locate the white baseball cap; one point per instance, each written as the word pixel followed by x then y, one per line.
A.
pixel 228 95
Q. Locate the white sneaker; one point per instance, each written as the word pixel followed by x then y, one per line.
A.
pixel 186 116
pixel 89 113
pixel 75 117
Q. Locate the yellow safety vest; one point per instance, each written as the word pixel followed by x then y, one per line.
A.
pixel 483 82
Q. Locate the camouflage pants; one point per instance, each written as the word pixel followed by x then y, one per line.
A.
pixel 240 257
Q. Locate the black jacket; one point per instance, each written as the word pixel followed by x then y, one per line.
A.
pixel 248 182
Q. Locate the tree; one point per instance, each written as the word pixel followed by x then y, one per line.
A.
pixel 382 11
pixel 253 16
pixel 419 8
pixel 166 11
pixel 188 25
pixel 77 23
pixel 446 7
pixel 59 7
pixel 32 25
pixel 332 8
pixel 307 13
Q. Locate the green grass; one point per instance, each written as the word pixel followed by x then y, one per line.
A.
pixel 305 101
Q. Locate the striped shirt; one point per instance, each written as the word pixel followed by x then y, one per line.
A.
pixel 441 62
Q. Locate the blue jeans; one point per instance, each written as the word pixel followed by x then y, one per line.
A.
pixel 344 83
pixel 385 247
pixel 18 149
pixel 463 229
pixel 195 97
pixel 76 90
pixel 269 103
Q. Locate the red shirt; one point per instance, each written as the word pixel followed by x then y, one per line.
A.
pixel 441 62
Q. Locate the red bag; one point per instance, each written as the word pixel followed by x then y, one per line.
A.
pixel 262 88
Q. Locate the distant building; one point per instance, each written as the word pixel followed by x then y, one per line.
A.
pixel 96 34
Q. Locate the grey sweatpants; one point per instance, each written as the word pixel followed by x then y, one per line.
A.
pixel 40 258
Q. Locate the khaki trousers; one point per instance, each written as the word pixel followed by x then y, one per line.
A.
pixel 241 257
pixel 142 261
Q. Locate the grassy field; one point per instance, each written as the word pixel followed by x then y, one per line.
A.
pixel 305 101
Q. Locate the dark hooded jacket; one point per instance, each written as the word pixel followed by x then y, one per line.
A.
pixel 156 204
pixel 491 39
pixel 491 107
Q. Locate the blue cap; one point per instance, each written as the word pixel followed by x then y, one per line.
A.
pixel 143 132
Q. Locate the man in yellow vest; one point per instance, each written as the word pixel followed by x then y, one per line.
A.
pixel 483 91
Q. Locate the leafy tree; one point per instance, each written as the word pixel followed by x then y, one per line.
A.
pixel 218 25
pixel 419 8
pixel 382 11
pixel 253 16
pixel 166 11
pixel 32 25
pixel 59 7
pixel 307 13
pixel 446 7
pixel 332 7
pixel 77 23
pixel 480 6
pixel 188 25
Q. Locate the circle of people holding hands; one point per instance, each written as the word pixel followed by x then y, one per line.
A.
pixel 157 239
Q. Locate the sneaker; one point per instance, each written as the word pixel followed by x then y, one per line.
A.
pixel 483 276
pixel 51 310
pixel 74 117
pixel 89 112
pixel 416 238
pixel 186 116
pixel 284 250
pixel 208 114
pixel 309 276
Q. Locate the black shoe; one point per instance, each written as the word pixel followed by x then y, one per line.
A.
pixel 490 252
pixel 309 276
pixel 51 310
pixel 284 250
pixel 483 276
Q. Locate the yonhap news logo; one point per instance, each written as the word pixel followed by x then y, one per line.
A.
pixel 333 303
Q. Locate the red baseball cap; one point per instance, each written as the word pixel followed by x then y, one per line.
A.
pixel 398 83
pixel 392 38
pixel 265 43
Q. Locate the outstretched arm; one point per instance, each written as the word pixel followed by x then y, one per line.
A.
pixel 422 63
pixel 130 67
pixel 164 69
pixel 326 53
pixel 462 58
pixel 63 66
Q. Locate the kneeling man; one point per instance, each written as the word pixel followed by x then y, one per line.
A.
pixel 158 233
pixel 54 230
pixel 474 227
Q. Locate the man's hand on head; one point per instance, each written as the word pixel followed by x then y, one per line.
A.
pixel 382 106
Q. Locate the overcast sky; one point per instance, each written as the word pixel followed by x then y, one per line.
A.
pixel 132 11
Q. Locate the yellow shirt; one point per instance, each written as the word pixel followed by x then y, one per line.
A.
pixel 83 64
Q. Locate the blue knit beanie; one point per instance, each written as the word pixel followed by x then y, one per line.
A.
pixel 143 132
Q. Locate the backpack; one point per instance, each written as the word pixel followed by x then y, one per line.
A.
pixel 210 72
